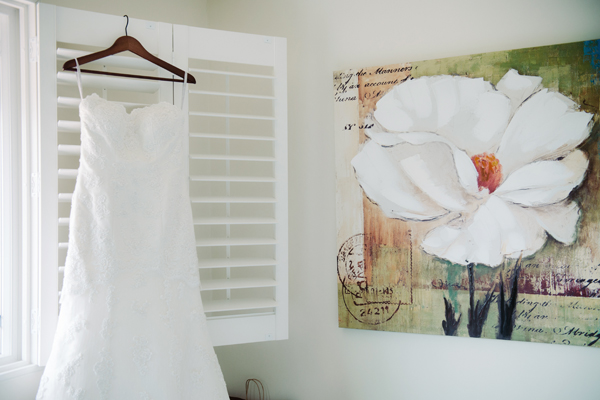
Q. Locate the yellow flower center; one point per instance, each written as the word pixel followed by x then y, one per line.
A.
pixel 489 171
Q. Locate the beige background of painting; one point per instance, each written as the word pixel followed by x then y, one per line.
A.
pixel 321 361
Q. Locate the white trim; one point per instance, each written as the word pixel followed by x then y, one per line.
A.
pixel 25 148
pixel 11 216
pixel 20 383
pixel 280 170
pixel 47 268
pixel 22 4
pixel 28 162
pixel 17 369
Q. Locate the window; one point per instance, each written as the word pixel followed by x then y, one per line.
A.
pixel 17 194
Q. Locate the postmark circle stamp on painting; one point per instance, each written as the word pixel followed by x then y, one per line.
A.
pixel 351 263
pixel 370 304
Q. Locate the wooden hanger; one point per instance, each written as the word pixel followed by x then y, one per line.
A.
pixel 128 43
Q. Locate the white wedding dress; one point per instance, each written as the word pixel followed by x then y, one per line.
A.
pixel 131 325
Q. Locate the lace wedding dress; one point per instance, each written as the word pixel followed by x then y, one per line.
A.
pixel 131 324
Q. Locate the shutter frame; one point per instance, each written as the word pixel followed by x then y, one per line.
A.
pixel 254 50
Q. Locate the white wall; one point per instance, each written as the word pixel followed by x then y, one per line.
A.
pixel 320 360
pixel 183 12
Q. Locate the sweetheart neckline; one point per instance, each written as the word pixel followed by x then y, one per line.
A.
pixel 135 110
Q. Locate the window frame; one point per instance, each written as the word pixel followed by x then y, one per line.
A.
pixel 20 200
pixel 10 176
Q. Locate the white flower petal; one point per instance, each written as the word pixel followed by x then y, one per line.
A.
pixel 486 239
pixel 391 115
pixel 492 112
pixel 443 242
pixel 468 112
pixel 467 173
pixel 559 220
pixel 544 182
pixel 446 96
pixel 429 167
pixel 478 127
pixel 497 230
pixel 417 98
pixel 387 139
pixel 386 184
pixel 545 127
pixel 519 230
pixel 406 107
pixel 384 138
pixel 518 87
pixel 469 90
pixel 479 242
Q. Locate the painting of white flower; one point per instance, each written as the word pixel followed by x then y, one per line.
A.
pixel 493 167
pixel 468 195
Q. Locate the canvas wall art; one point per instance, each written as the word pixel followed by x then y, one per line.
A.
pixel 468 195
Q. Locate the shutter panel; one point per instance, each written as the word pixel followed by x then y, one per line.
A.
pixel 242 251
pixel 238 179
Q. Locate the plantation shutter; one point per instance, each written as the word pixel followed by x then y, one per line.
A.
pixel 238 151
pixel 238 179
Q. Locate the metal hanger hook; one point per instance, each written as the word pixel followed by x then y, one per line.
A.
pixel 126 16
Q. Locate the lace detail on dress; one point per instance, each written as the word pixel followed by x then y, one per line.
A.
pixel 145 396
pixel 141 354
pixel 76 394
pixel 43 387
pixel 68 371
pixel 176 358
pixel 167 300
pixel 140 308
pixel 104 373
pixel 61 379
pixel 111 297
pixel 76 326
pixel 107 329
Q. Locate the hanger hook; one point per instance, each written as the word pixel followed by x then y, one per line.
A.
pixel 126 16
